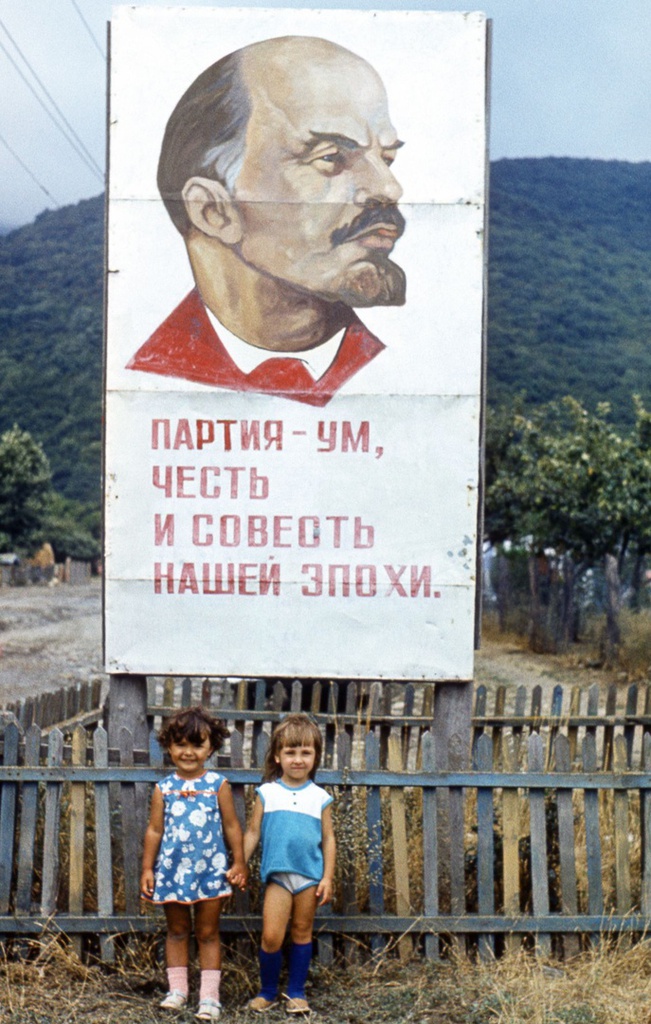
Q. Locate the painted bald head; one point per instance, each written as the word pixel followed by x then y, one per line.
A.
pixel 297 131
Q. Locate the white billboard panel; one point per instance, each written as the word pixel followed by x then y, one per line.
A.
pixel 294 342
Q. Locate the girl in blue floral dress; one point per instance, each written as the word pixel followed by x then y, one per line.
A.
pixel 185 860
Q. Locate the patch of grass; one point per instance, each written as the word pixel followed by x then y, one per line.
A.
pixel 43 982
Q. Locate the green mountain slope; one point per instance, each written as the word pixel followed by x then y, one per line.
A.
pixel 570 281
pixel 51 340
pixel 569 304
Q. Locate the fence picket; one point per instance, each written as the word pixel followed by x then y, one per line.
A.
pixel 347 855
pixel 50 884
pixel 592 836
pixel 573 730
pixel 131 844
pixel 622 845
pixel 510 841
pixel 609 730
pixel 430 846
pixel 103 841
pixel 645 799
pixel 485 846
pixel 374 839
pixel 28 820
pixel 629 728
pixel 498 731
pixel 556 709
pixel 566 843
pixel 8 816
pixel 77 832
pixel 400 851
pixel 538 831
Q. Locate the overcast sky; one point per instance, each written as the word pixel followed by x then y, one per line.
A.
pixel 570 78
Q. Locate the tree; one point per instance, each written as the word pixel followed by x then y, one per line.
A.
pixel 25 486
pixel 566 480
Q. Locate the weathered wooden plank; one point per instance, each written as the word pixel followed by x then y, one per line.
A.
pixel 332 698
pixel 609 730
pixel 430 847
pixel 539 873
pixel 520 705
pixel 297 695
pixel 556 710
pixel 77 833
pixel 622 844
pixel 399 845
pixel 573 730
pixel 481 697
pixel 536 707
pixel 103 856
pixel 484 754
pixel 169 699
pixel 593 709
pixel 566 843
pixel 645 801
pixel 500 707
pixel 260 699
pixel 629 729
pixel 50 882
pixel 8 816
pixel 592 832
pixel 28 821
pixel 510 840
pixel 347 854
pixel 374 838
pixel 131 840
pixel 407 693
pixel 350 709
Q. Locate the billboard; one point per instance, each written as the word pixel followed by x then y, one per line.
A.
pixel 295 286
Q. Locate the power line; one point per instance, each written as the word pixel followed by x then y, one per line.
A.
pixel 88 29
pixel 72 138
pixel 27 170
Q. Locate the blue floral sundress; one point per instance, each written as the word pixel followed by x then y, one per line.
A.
pixel 192 860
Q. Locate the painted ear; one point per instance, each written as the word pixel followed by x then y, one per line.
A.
pixel 211 210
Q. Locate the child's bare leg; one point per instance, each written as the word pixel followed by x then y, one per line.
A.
pixel 275 916
pixel 206 930
pixel 179 926
pixel 303 911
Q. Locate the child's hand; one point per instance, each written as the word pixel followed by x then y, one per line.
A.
pixel 324 891
pixel 147 882
pixel 238 874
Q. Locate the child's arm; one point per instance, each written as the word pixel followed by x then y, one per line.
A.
pixel 153 836
pixel 238 872
pixel 252 834
pixel 325 886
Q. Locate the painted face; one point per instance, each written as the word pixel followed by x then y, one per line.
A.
pixel 316 194
pixel 189 758
pixel 296 763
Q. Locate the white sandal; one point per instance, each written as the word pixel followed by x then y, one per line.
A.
pixel 208 1010
pixel 174 1000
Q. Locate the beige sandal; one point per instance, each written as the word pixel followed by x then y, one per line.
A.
pixel 260 1004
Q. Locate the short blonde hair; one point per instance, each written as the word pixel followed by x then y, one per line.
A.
pixel 295 730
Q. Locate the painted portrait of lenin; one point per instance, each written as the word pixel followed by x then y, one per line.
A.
pixel 276 168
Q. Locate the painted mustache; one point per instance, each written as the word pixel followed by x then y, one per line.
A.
pixel 370 217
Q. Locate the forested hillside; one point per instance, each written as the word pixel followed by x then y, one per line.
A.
pixel 51 341
pixel 570 282
pixel 569 305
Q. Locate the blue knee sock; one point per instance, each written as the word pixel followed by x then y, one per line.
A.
pixel 270 964
pixel 299 963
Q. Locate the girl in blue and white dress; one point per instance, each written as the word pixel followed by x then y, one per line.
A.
pixel 185 859
pixel 292 816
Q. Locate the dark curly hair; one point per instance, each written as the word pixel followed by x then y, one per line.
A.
pixel 295 730
pixel 194 725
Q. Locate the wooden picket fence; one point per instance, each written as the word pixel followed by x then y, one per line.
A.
pixel 544 842
pixel 80 704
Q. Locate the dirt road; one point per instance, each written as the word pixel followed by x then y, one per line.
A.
pixel 49 637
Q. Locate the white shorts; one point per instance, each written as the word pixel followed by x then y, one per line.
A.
pixel 292 881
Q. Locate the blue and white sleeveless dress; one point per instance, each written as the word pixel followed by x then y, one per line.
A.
pixel 192 860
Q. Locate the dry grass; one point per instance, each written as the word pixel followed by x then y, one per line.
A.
pixel 611 984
